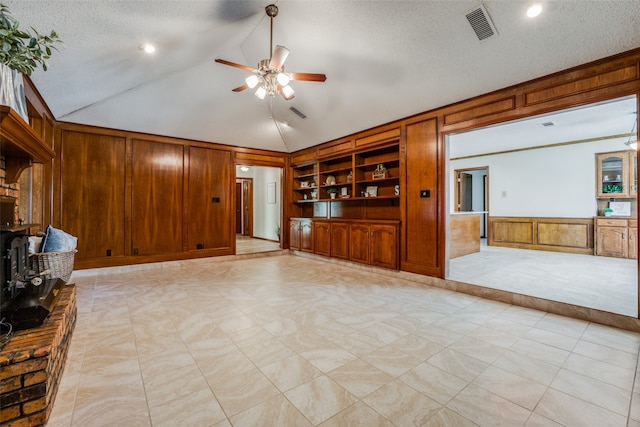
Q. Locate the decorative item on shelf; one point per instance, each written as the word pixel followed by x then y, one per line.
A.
pixel 331 180
pixel 344 193
pixel 314 195
pixel 313 184
pixel 305 196
pixel 350 177
pixel 607 211
pixel 304 184
pixel 380 172
pixel 20 54
pixel 372 191
pixel 332 191
pixel 612 188
pixel 396 190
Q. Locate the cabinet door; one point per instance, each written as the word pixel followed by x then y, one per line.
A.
pixel 157 196
pixel 92 193
pixel 294 234
pixel 306 236
pixel 359 243
pixel 322 238
pixel 210 202
pixel 633 173
pixel 633 243
pixel 612 241
pixel 384 251
pixel 340 240
pixel 613 174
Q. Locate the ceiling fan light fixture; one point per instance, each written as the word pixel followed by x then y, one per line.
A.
pixel 252 81
pixel 261 92
pixel 288 92
pixel 283 79
pixel 633 143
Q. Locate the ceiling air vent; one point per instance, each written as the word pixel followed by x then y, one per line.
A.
pixel 298 112
pixel 547 124
pixel 481 23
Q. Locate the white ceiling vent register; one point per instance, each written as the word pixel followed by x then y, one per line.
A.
pixel 481 23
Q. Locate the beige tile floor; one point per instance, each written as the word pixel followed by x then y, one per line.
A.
pixel 248 245
pixel 603 283
pixel 290 341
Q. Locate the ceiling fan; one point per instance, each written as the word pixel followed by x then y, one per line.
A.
pixel 270 73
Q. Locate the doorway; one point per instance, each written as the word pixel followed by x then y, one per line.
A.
pixel 472 193
pixel 258 206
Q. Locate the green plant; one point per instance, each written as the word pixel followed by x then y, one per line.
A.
pixel 20 50
pixel 605 210
pixel 331 190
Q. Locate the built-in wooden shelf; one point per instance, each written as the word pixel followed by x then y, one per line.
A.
pixel 20 145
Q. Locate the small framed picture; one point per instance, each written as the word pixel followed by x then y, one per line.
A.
pixel 372 191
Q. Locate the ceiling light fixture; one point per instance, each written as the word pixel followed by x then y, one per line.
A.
pixel 147 48
pixel 270 77
pixel 534 11
pixel 244 168
pixel 633 143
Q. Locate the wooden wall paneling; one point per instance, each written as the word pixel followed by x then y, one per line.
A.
pixel 421 239
pixel 157 198
pixel 211 218
pixel 92 193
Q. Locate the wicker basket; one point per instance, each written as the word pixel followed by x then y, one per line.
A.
pixel 59 264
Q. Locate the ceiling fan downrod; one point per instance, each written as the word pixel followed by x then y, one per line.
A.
pixel 272 12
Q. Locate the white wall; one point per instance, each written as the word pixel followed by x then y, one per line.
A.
pixel 266 216
pixel 548 182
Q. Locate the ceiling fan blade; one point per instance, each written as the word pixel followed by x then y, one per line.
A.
pixel 309 77
pixel 279 56
pixel 233 64
pixel 240 88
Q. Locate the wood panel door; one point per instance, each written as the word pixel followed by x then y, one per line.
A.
pixel 612 241
pixel 294 234
pixel 157 198
pixel 384 242
pixel 306 236
pixel 92 193
pixel 340 240
pixel 238 207
pixel 211 186
pixel 359 243
pixel 322 238
pixel 633 243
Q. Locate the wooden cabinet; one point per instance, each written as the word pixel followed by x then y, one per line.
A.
pixel 384 246
pixel 616 237
pixel 340 240
pixel 322 237
pixel 301 234
pixel 617 174
pixel 359 243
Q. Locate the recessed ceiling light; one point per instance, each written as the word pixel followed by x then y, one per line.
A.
pixel 534 11
pixel 147 48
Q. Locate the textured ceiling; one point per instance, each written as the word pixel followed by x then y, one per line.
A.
pixel 384 60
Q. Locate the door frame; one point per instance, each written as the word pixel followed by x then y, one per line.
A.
pixel 246 206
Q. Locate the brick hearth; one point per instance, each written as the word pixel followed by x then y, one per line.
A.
pixel 31 365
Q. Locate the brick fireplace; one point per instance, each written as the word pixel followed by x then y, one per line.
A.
pixel 32 363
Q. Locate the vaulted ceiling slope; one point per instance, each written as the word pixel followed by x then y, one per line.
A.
pixel 384 60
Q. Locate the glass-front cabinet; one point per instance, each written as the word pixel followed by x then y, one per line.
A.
pixel 617 174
